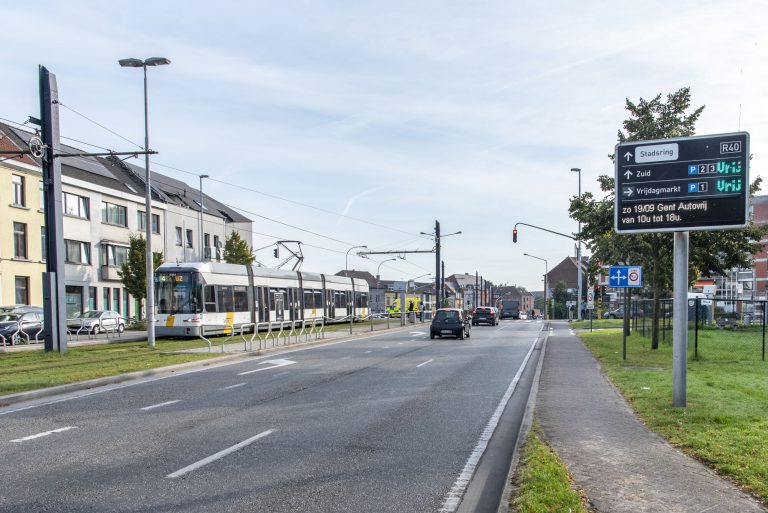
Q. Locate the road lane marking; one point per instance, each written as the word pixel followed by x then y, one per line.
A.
pixel 275 365
pixel 452 499
pixel 368 352
pixel 158 405
pixel 40 435
pixel 385 347
pixel 346 357
pixel 422 364
pixel 230 387
pixel 218 455
pixel 400 343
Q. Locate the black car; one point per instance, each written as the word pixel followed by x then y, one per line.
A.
pixel 450 321
pixel 485 315
pixel 20 325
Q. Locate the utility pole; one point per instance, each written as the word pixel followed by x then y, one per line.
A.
pixel 54 300
pixel 438 277
pixel 443 278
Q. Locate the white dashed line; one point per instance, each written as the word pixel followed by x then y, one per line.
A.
pixel 368 352
pixel 166 403
pixel 422 364
pixel 40 435
pixel 218 455
pixel 230 387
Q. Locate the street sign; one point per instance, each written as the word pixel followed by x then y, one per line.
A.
pixel 688 183
pixel 399 286
pixel 625 277
pixel 590 299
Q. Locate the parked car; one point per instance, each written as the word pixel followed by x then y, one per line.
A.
pixel 20 324
pixel 450 321
pixel 96 321
pixel 619 313
pixel 485 315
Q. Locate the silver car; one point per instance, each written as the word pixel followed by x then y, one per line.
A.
pixel 97 321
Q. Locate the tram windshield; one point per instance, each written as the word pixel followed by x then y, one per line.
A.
pixel 178 292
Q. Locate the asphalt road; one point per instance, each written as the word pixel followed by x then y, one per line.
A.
pixel 391 423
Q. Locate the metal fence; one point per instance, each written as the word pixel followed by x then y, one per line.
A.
pixel 732 329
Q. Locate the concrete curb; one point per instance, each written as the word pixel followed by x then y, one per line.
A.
pixel 8 400
pixel 525 428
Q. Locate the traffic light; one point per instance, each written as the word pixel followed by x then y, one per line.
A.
pixel 514 235
pixel 277 252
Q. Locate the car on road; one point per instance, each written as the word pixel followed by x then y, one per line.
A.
pixel 96 321
pixel 450 321
pixel 20 324
pixel 523 316
pixel 485 315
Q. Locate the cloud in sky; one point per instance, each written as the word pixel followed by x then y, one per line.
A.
pixel 469 113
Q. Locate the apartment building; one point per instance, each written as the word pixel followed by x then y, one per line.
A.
pixel 103 205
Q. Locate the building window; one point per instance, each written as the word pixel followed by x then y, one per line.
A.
pixel 17 182
pixel 207 240
pixel 215 241
pixel 22 290
pixel 43 245
pixel 42 197
pixel 113 214
pixel 189 238
pixel 178 236
pixel 77 206
pixel 113 256
pixel 143 222
pixel 77 252
pixel 19 240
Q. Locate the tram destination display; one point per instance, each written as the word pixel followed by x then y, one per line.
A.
pixel 688 183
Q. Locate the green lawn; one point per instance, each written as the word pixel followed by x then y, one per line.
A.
pixel 598 323
pixel 726 421
pixel 544 485
pixel 29 370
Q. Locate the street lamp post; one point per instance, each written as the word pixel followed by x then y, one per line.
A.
pixel 346 258
pixel 150 293
pixel 202 249
pixel 377 276
pixel 578 252
pixel 546 287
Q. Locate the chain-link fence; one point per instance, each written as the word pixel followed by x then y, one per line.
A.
pixel 732 329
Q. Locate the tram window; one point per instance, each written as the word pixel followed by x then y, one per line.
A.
pixel 226 301
pixel 362 300
pixel 210 298
pixel 309 299
pixel 318 299
pixel 241 298
pixel 341 299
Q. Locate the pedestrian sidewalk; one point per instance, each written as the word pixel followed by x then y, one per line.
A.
pixel 620 464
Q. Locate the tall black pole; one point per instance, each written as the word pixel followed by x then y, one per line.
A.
pixel 477 289
pixel 438 278
pixel 54 298
pixel 442 277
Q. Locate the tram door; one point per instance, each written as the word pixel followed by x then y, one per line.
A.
pixel 279 306
pixel 330 302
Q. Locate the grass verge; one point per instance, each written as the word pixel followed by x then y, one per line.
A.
pixel 726 422
pixel 543 482
pixel 598 323
pixel 30 370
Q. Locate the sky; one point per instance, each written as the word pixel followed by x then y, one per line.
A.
pixel 362 123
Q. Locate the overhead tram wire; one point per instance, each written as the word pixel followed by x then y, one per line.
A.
pixel 274 196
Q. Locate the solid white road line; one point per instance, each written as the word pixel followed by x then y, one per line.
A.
pixel 230 387
pixel 166 403
pixel 368 352
pixel 40 435
pixel 422 364
pixel 454 496
pixel 218 455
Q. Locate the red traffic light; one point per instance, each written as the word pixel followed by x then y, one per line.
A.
pixel 514 235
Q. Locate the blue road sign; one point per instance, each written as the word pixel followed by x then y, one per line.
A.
pixel 625 276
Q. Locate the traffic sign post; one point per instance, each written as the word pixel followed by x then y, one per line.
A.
pixel 677 185
pixel 625 276
pixel 689 183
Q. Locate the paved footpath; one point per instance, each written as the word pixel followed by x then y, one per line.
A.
pixel 620 464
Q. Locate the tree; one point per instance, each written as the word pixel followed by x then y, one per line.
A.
pixel 711 252
pixel 133 272
pixel 560 299
pixel 237 251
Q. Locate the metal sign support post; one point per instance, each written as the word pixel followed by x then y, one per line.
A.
pixel 680 321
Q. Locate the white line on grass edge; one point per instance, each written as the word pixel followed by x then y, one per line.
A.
pixel 453 498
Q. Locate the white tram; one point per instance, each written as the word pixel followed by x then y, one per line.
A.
pixel 209 297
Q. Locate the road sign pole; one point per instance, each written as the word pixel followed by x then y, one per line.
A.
pixel 680 321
